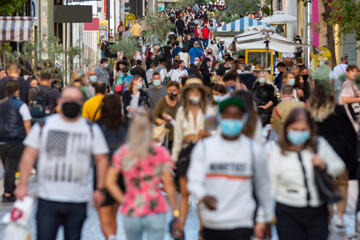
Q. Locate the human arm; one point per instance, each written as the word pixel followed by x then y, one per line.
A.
pixel 27 162
pixel 27 126
pixel 350 100
pixel 334 165
pixel 178 135
pixel 112 186
pixel 102 163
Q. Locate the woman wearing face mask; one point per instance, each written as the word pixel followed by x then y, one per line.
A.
pixel 302 90
pixel 135 96
pixel 289 79
pixel 166 108
pixel 204 70
pixel 214 67
pixel 342 137
pixel 300 212
pixel 189 128
pixel 218 94
pixel 264 94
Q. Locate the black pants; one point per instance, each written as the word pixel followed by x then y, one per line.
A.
pixel 10 155
pixel 51 215
pixel 306 223
pixel 148 63
pixel 233 234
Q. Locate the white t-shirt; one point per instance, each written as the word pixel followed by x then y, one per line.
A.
pixel 338 71
pixel 65 150
pixel 177 74
pixel 134 103
pixel 25 112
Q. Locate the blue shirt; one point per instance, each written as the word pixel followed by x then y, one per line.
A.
pixel 195 53
pixel 175 51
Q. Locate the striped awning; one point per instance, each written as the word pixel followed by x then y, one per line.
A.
pixel 15 29
pixel 242 24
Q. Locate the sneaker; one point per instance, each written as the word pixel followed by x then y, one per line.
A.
pixel 339 222
pixel 9 199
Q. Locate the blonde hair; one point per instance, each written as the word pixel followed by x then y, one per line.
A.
pixel 267 77
pixel 179 38
pixel 140 134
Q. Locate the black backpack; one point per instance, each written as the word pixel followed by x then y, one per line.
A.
pixel 39 106
pixel 167 78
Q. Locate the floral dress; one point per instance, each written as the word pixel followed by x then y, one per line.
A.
pixel 142 179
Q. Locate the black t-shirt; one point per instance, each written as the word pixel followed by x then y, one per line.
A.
pixel 167 53
pixel 221 71
pixel 191 27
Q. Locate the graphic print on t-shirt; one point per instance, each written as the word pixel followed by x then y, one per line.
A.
pixel 65 156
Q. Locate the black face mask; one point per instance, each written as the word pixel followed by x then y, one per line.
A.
pixel 71 109
pixel 305 77
pixel 172 96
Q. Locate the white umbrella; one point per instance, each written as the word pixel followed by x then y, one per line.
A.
pixel 279 17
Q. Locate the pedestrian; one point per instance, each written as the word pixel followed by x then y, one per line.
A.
pixel 33 82
pixel 240 165
pixel 144 166
pixel 2 73
pixel 299 210
pixel 204 70
pixel 189 129
pixel 102 46
pixel 101 72
pixel 219 93
pixel 214 48
pixel 284 108
pixel 15 124
pixel 157 92
pixel 135 96
pixel 167 51
pixel 45 91
pixel 195 52
pixel 167 74
pixel 87 80
pixel 205 32
pixel 160 66
pixel 279 78
pixel 166 109
pixel 113 126
pixel 334 125
pixel 176 49
pixel 223 68
pixel 349 94
pixel 139 70
pixel 13 74
pixel 92 107
pixel 63 145
pixel 232 82
pixel 339 72
pixel 180 26
pixel 180 72
pixel 264 92
pixel 149 56
pixel 184 56
pixel 247 77
pixel 302 89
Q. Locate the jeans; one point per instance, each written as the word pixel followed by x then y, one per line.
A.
pixel 205 42
pixel 10 155
pixel 50 215
pixel 153 225
pixel 102 54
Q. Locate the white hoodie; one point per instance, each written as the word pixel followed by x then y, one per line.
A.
pixel 224 169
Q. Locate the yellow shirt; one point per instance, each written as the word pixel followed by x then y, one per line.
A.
pixel 91 107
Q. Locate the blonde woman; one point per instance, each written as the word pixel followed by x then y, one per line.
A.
pixel 144 166
pixel 264 92
pixel 189 128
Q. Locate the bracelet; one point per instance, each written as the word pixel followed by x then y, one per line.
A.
pixel 176 213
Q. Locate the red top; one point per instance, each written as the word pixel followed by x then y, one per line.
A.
pixel 205 32
pixel 149 54
pixel 196 32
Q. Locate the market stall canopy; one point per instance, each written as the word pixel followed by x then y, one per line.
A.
pixel 255 39
pixel 279 17
pixel 15 29
pixel 240 25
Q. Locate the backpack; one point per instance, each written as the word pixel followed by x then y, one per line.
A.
pixel 39 107
pixel 167 78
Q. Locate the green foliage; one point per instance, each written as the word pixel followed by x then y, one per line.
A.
pixel 224 16
pixel 243 7
pixel 156 27
pixel 182 4
pixel 125 45
pixel 9 7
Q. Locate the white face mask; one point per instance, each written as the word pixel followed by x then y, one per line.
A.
pixel 106 65
pixel 196 62
pixel 194 100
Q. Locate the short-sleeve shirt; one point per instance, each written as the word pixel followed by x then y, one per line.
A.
pixel 348 89
pixel 142 179
pixel 65 150
pixel 195 53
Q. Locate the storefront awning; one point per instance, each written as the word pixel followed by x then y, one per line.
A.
pixel 15 29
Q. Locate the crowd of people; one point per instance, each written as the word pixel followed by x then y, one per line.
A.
pixel 226 133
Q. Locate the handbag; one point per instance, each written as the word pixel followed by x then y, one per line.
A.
pixel 159 134
pixel 118 86
pixel 327 189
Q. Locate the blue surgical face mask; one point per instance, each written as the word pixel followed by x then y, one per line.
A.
pixel 93 78
pixel 217 98
pixel 216 68
pixel 292 81
pixel 229 66
pixel 139 85
pixel 261 80
pixel 298 138
pixel 231 127
pixel 156 83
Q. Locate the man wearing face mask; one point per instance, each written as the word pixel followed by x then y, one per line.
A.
pixel 157 92
pixel 63 145
pixel 180 72
pixel 223 68
pixel 101 72
pixel 194 52
pixel 229 166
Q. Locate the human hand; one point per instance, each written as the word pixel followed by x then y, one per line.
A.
pixel 98 198
pixel 130 110
pixel 259 230
pixel 210 202
pixel 167 117
pixel 21 192
pixel 317 162
pixel 203 134
pixel 261 107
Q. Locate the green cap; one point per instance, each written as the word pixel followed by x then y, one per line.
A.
pixel 232 101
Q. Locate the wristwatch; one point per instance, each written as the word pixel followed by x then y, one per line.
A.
pixel 176 213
